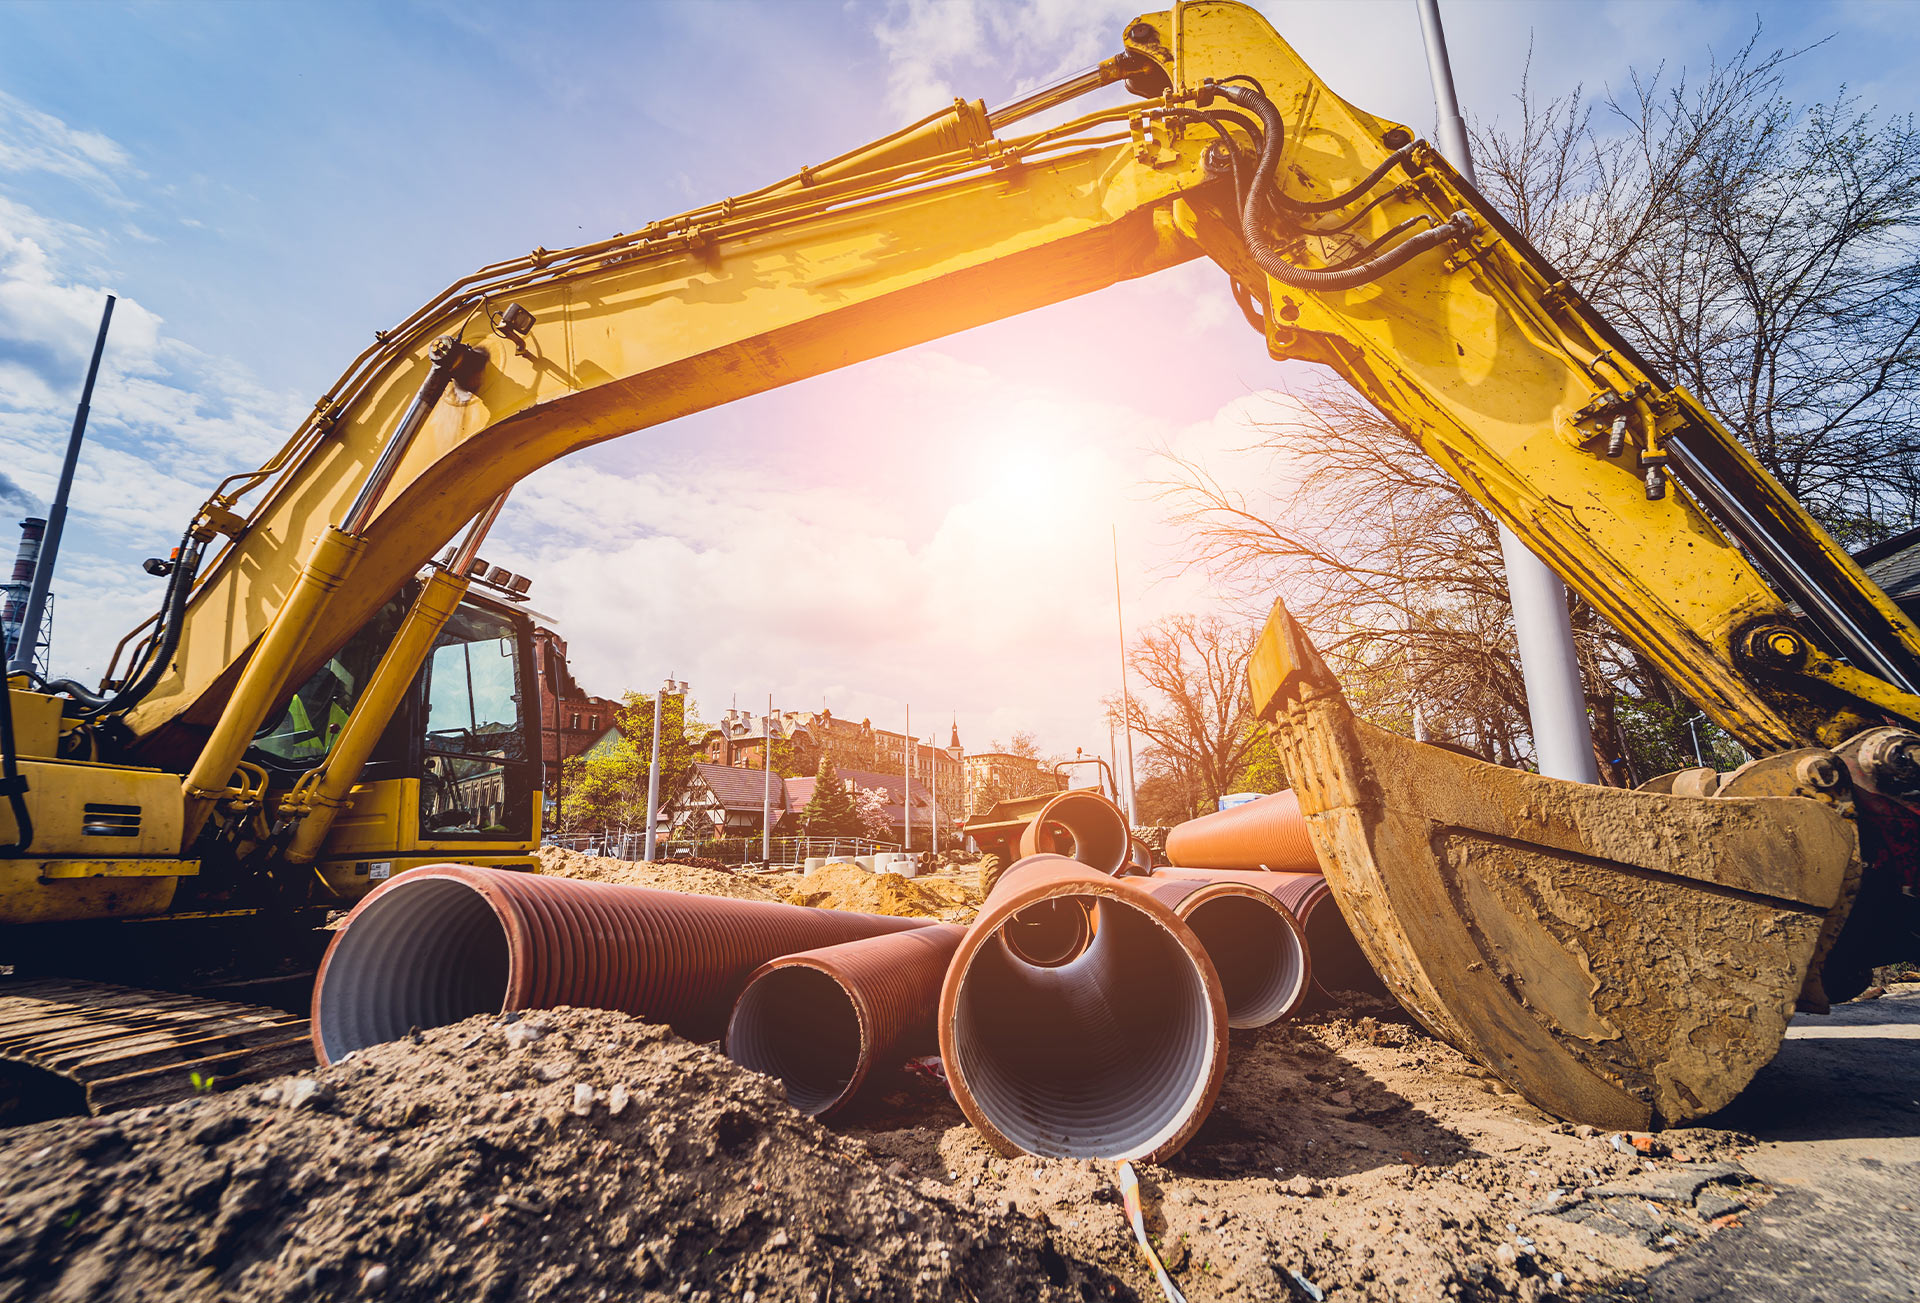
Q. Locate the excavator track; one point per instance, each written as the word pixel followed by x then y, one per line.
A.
pixel 104 1048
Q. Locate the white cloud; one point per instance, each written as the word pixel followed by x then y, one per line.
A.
pixel 167 420
pixel 33 141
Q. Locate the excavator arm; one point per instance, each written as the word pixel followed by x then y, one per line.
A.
pixel 1516 916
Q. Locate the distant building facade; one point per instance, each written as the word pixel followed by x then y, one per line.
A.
pixel 572 720
pixel 998 776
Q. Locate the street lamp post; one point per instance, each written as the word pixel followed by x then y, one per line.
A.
pixel 674 688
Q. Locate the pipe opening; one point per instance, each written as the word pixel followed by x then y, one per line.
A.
pixel 1338 962
pixel 1110 1055
pixel 423 957
pixel 1258 954
pixel 798 1024
pixel 1083 827
pixel 1048 934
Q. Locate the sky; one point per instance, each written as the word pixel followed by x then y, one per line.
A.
pixel 266 185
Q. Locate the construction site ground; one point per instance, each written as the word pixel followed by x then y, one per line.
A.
pixel 590 1155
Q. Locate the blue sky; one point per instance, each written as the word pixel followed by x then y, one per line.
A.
pixel 267 184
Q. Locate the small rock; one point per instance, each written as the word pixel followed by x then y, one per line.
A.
pixel 374 1279
pixel 618 1097
pixel 779 1240
pixel 1174 1256
pixel 1586 1132
pixel 582 1099
pixel 522 1034
pixel 1344 1098
pixel 1301 1186
pixel 305 1092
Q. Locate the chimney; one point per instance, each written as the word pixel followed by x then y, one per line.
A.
pixel 13 608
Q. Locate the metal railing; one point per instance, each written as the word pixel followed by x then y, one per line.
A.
pixel 728 850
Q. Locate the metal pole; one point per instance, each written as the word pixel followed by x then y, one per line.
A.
pixel 906 791
pixel 766 793
pixel 1556 698
pixel 31 619
pixel 653 775
pixel 934 759
pixel 1126 700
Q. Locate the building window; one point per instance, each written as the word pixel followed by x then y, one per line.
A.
pixel 576 720
pixel 593 722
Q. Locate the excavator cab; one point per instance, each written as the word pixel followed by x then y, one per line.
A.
pixel 453 775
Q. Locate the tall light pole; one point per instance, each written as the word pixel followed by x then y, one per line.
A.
pixel 1126 699
pixel 766 788
pixel 906 786
pixel 36 612
pixel 1556 699
pixel 677 689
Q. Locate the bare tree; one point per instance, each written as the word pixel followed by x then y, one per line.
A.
pixel 1760 253
pixel 1195 713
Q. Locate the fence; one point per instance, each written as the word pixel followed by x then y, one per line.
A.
pixel 728 850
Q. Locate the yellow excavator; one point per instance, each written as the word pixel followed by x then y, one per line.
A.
pixel 1619 957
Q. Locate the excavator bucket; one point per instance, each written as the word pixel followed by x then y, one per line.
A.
pixel 1620 958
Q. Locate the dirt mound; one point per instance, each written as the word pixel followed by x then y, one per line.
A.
pixel 665 875
pixel 1352 1152
pixel 847 886
pixel 573 1154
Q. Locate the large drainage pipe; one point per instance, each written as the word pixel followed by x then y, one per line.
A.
pixel 1338 964
pixel 1116 1052
pixel 1269 833
pixel 823 1020
pixel 1080 825
pixel 1256 947
pixel 449 941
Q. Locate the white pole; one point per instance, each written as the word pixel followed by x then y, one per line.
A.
pixel 906 792
pixel 766 786
pixel 1556 699
pixel 1126 700
pixel 653 773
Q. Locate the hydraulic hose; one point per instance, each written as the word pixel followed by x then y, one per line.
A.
pixel 1269 259
pixel 11 780
pixel 167 641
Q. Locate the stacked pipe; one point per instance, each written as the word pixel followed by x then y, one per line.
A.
pixel 1264 844
pixel 449 941
pixel 1083 1014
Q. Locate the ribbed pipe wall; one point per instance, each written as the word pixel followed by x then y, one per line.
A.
pixel 1117 1053
pixel 1256 946
pixel 1269 833
pixel 1083 826
pixel 443 943
pixel 822 1021
pixel 1338 964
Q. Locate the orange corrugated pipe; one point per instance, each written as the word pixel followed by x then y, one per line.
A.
pixel 449 941
pixel 1269 833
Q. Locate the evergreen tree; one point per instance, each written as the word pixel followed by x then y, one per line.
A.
pixel 830 811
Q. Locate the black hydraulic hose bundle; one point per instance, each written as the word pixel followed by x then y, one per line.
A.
pixel 166 641
pixel 1347 275
pixel 12 782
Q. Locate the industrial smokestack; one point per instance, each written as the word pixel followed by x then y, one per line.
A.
pixel 14 606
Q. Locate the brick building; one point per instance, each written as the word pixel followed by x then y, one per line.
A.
pixel 571 719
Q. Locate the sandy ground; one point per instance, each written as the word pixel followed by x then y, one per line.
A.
pixel 1350 1157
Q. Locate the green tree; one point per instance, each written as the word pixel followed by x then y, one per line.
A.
pixel 607 789
pixel 830 811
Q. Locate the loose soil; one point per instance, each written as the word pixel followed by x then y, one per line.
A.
pixel 665 875
pixel 847 886
pixel 572 1154
pixel 1350 1157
